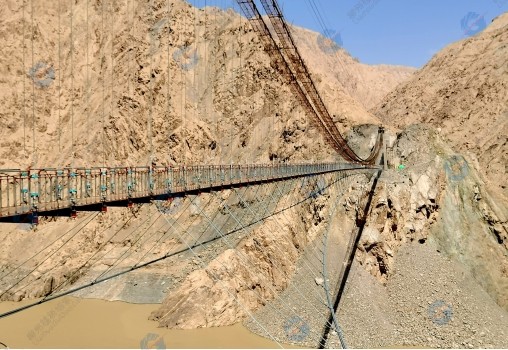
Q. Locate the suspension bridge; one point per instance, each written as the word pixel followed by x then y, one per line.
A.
pixel 33 191
pixel 50 191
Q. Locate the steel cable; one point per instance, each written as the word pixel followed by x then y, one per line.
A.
pixel 227 289
pixel 288 277
pixel 39 252
pixel 78 270
pixel 227 270
pixel 46 258
pixel 245 259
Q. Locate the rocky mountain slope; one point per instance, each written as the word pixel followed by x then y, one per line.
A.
pixel 198 78
pixel 335 67
pixel 463 92
pixel 200 81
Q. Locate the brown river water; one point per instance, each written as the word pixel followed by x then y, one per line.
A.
pixel 89 323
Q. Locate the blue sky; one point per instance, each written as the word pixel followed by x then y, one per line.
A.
pixel 402 32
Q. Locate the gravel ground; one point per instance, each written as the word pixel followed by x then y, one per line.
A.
pixel 299 314
pixel 430 301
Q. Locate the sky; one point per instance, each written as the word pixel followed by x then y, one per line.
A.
pixel 398 32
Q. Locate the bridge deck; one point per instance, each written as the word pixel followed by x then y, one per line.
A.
pixel 25 191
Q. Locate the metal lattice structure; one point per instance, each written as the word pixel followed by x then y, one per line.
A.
pixel 286 57
pixel 23 192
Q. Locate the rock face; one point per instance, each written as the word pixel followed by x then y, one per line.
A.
pixel 334 67
pixel 244 277
pixel 198 78
pixel 406 202
pixel 225 103
pixel 437 196
pixel 463 92
pixel 429 201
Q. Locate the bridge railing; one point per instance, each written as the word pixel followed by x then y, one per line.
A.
pixel 22 191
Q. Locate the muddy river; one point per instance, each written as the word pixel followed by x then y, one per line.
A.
pixel 89 323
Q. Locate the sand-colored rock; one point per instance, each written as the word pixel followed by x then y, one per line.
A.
pixel 333 67
pixel 210 93
pixel 463 92
pixel 187 85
